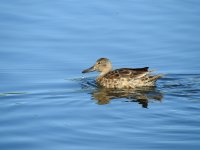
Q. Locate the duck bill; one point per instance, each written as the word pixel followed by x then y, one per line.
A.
pixel 89 70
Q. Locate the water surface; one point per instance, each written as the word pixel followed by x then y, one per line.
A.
pixel 45 101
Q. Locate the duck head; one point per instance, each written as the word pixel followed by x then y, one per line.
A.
pixel 102 65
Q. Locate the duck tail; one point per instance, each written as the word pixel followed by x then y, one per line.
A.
pixel 152 70
pixel 154 78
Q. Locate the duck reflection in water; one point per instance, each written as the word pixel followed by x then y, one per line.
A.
pixel 142 95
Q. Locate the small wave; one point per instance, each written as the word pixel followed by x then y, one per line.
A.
pixel 12 93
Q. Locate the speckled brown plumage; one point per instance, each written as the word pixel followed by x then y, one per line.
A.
pixel 122 78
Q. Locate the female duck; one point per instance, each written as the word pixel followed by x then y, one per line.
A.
pixel 121 78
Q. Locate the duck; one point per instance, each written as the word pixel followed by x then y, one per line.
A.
pixel 123 78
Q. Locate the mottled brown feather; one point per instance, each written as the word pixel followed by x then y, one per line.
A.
pixel 126 72
pixel 121 78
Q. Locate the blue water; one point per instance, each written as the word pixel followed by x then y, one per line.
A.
pixel 45 101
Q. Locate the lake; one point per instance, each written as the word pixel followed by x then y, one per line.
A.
pixel 47 103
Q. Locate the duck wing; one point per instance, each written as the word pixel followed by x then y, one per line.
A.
pixel 127 73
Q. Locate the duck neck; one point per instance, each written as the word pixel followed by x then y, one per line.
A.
pixel 105 71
